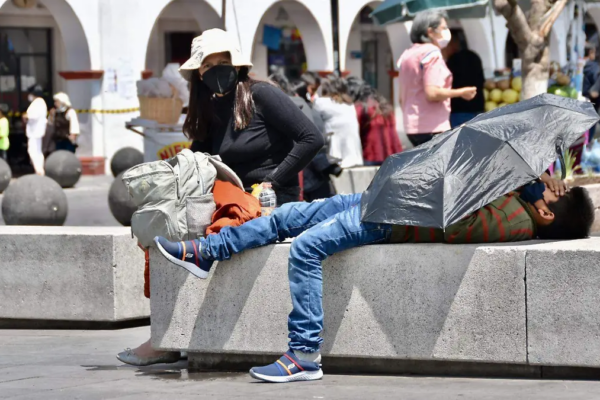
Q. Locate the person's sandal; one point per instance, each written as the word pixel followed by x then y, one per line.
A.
pixel 129 357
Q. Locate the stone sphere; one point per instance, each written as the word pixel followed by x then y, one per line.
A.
pixel 5 175
pixel 120 202
pixel 34 200
pixel 64 167
pixel 124 159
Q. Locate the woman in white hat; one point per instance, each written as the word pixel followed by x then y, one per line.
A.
pixel 65 122
pixel 255 128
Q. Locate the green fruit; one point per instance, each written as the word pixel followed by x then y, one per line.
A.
pixel 562 91
pixel 573 93
pixel 552 89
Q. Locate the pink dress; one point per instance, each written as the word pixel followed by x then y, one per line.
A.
pixel 423 65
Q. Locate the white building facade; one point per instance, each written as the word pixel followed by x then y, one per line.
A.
pixel 95 50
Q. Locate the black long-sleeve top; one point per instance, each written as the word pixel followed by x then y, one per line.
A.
pixel 277 144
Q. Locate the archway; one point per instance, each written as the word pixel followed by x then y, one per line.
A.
pixel 175 27
pixel 368 53
pixel 35 45
pixel 289 38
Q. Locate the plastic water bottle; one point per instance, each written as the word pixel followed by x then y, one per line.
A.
pixel 267 198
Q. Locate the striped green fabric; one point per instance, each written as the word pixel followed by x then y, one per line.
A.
pixel 507 219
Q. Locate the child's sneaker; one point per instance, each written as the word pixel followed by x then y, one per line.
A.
pixel 288 369
pixel 185 254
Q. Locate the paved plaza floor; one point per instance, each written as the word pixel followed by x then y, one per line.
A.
pixel 71 364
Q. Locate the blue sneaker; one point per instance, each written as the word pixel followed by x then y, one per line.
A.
pixel 288 369
pixel 185 254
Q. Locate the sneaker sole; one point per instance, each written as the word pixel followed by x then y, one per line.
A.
pixel 191 268
pixel 300 376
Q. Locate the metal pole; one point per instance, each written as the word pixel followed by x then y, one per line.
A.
pixel 223 8
pixel 335 22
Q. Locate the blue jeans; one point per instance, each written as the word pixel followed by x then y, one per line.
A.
pixel 328 226
pixel 457 119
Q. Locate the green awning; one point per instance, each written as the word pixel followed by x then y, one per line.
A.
pixel 402 10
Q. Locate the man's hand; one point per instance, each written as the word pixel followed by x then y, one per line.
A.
pixel 556 185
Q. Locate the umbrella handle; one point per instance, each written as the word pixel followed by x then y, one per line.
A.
pixel 561 158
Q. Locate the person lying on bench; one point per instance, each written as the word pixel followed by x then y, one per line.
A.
pixel 326 227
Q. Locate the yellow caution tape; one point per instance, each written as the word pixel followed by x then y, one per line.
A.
pixel 121 111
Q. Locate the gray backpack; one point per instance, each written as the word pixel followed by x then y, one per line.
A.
pixel 174 197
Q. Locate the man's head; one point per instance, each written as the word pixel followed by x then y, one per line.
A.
pixel 454 46
pixel 566 217
pixel 34 92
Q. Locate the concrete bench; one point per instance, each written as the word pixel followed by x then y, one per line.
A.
pixel 524 305
pixel 76 274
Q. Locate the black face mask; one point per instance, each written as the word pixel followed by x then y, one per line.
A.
pixel 220 79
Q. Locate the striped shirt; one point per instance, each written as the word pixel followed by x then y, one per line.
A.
pixel 507 219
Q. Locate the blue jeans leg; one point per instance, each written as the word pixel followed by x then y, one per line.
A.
pixel 287 221
pixel 340 232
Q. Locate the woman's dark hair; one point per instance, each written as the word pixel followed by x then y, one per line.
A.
pixel 200 114
pixel 282 81
pixel 336 89
pixel 573 216
pixel 362 92
pixel 301 89
pixel 311 78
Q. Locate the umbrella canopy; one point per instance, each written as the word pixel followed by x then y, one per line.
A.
pixel 402 10
pixel 462 170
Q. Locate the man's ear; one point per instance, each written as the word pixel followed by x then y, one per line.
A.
pixel 547 215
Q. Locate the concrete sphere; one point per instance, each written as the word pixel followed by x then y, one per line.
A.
pixel 119 201
pixel 124 159
pixel 34 200
pixel 64 167
pixel 5 175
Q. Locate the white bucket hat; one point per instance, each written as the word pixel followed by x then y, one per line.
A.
pixel 63 98
pixel 210 42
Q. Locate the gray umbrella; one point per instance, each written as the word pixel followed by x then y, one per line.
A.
pixel 462 170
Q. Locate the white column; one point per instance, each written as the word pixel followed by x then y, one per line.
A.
pixel 399 36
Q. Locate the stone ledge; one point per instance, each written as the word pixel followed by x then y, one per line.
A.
pixel 81 274
pixel 457 303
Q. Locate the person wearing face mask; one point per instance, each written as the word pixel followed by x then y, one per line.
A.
pixel 426 81
pixel 65 122
pixel 253 126
pixel 35 119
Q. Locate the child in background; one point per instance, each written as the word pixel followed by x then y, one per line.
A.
pixel 4 131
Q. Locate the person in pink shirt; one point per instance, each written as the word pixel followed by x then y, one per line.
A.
pixel 426 81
